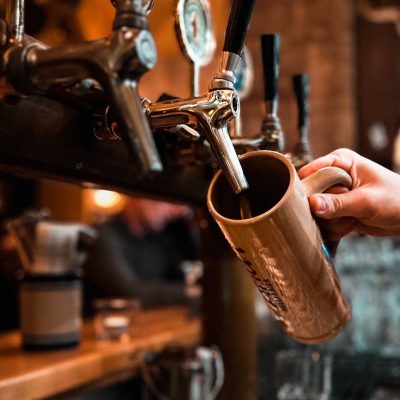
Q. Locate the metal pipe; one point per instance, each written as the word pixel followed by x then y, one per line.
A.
pixel 195 79
pixel 125 98
pixel 15 15
pixel 117 63
pixel 209 115
pixel 43 139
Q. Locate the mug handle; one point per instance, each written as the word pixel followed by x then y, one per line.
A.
pixel 148 378
pixel 323 179
pixel 220 372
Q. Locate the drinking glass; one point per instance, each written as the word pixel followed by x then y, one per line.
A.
pixel 115 318
pixel 303 375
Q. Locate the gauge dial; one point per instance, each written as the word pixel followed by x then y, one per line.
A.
pixel 195 30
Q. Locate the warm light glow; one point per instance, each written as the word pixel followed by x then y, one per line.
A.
pixel 106 198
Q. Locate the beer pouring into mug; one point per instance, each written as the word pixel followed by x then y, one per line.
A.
pixel 269 225
pixel 273 232
pixel 281 246
pixel 275 237
pixel 261 206
pixel 211 114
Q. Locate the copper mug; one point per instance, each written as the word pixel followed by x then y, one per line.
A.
pixel 281 245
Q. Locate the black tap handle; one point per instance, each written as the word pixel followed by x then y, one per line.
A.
pixel 301 90
pixel 270 50
pixel 239 20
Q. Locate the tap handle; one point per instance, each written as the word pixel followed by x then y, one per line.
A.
pixel 301 90
pixel 270 50
pixel 238 23
pixel 146 5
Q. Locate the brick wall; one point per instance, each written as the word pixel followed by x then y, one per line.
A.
pixel 317 37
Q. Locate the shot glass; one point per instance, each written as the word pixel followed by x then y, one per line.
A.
pixel 115 318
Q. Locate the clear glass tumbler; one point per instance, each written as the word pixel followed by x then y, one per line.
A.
pixel 303 375
pixel 115 318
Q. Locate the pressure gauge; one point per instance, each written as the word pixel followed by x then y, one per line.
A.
pixel 194 30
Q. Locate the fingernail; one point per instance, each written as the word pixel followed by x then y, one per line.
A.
pixel 321 206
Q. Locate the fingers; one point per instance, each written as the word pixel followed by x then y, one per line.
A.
pixel 328 206
pixel 334 230
pixel 372 231
pixel 342 158
pixel 337 189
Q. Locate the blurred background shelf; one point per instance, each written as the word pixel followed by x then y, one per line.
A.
pixel 34 375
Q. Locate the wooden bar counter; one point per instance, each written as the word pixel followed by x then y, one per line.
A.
pixel 43 374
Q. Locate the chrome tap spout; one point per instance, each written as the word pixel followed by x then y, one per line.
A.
pixel 209 115
pixel 15 12
pixel 116 63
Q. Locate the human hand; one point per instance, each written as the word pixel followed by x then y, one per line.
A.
pixel 371 207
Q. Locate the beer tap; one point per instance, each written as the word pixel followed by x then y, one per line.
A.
pixel 244 85
pixel 210 114
pixel 302 151
pixel 147 5
pixel 271 136
pixel 116 63
pixel 271 128
pixel 15 11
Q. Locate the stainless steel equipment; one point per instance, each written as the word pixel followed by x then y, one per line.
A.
pixel 115 63
pixel 108 70
pixel 50 291
pixel 271 136
pixel 194 29
pixel 210 114
pixel 302 151
pixel 181 374
pixel 243 85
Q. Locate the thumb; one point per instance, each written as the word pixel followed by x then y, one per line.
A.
pixel 328 206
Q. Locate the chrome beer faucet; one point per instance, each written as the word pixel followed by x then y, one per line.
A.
pixel 271 129
pixel 302 151
pixel 210 114
pixel 15 11
pixel 243 85
pixel 115 63
pixel 271 136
